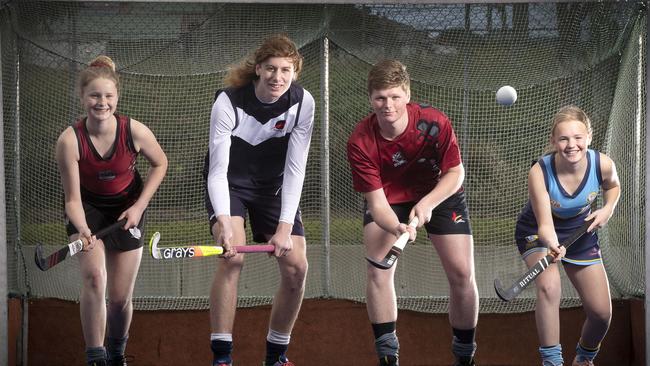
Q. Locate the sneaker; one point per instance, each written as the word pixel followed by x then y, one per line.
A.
pixel 582 363
pixel 122 361
pixel 97 363
pixel 282 361
pixel 461 362
pixel 389 361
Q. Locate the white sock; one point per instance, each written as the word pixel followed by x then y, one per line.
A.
pixel 227 337
pixel 277 337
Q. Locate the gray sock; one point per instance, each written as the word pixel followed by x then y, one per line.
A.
pixel 387 345
pixel 95 354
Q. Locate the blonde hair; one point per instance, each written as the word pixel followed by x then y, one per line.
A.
pixel 569 113
pixel 278 45
pixel 101 67
pixel 388 74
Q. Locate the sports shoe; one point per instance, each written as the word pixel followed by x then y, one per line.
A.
pixel 97 363
pixel 122 361
pixel 469 362
pixel 582 363
pixel 282 361
pixel 389 361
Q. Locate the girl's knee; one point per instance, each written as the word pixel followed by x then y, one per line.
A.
pixel 94 280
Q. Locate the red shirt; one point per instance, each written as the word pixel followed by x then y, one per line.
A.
pixel 114 173
pixel 410 166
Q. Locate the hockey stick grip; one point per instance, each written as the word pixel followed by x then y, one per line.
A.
pixel 266 248
pixel 107 230
pixel 400 243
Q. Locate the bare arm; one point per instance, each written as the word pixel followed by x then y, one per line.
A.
pixel 67 158
pixel 145 142
pixel 384 216
pixel 449 184
pixel 611 193
pixel 540 201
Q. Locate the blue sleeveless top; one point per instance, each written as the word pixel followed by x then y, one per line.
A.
pixel 563 204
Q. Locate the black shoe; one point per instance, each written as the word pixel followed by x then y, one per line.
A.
pixel 97 363
pixel 121 361
pixel 389 361
pixel 465 362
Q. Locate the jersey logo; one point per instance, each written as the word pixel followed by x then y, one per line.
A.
pixel 106 175
pixel 279 125
pixel 591 197
pixel 457 219
pixel 428 130
pixel 555 204
pixel 398 159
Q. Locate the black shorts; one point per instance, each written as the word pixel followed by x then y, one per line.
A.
pixel 263 208
pixel 449 217
pixel 122 240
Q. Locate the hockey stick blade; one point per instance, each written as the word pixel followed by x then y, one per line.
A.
pixel 533 272
pixel 388 260
pixel 197 251
pixel 395 251
pixel 44 263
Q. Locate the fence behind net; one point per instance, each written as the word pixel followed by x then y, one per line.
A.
pixel 172 58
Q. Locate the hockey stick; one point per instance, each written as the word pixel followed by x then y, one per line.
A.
pixel 195 251
pixel 537 269
pixel 395 250
pixel 45 263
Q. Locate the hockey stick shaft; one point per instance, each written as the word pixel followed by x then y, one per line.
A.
pixel 396 250
pixel 195 251
pixel 45 263
pixel 534 271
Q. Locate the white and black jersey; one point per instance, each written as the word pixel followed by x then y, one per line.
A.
pixel 259 146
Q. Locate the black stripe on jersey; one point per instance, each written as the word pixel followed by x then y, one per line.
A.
pixel 245 99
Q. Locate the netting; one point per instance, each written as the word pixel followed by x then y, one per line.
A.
pixel 172 57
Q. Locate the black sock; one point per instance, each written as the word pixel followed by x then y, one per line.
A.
pixel 221 350
pixel 379 329
pixel 274 351
pixel 464 335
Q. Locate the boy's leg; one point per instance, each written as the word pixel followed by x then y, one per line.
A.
pixel 223 296
pixel 287 301
pixel 456 252
pixel 381 302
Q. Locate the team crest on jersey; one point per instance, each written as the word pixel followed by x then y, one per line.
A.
pixel 279 125
pixel 591 197
pixel 457 219
pixel 398 159
pixel 106 175
pixel 555 204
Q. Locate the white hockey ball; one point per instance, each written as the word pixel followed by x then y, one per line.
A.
pixel 506 95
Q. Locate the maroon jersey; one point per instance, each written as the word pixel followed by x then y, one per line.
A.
pixel 410 166
pixel 110 175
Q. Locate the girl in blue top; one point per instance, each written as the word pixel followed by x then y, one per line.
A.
pixel 562 185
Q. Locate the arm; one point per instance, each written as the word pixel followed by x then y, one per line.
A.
pixel 450 182
pixel 540 201
pixel 67 158
pixel 294 174
pixel 384 215
pixel 611 193
pixel 222 122
pixel 145 142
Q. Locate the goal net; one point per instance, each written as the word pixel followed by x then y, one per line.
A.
pixel 172 58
